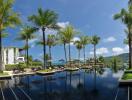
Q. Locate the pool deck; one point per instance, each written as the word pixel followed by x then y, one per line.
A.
pixel 11 74
pixel 45 73
pixel 3 77
pixel 127 82
pixel 71 69
pixel 24 74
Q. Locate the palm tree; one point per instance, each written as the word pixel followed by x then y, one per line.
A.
pixel 26 34
pixel 8 18
pixel 68 33
pixel 84 41
pixel 62 40
pixel 45 19
pixel 51 41
pixel 95 40
pixel 101 59
pixel 126 18
pixel 79 46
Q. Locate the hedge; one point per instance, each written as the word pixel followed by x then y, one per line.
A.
pixel 21 66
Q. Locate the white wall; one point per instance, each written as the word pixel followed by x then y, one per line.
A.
pixel 10 55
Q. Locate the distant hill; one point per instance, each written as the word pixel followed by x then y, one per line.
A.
pixel 123 57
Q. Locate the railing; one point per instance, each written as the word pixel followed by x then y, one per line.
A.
pixel 14 94
pixel 3 97
pixel 128 94
pixel 25 93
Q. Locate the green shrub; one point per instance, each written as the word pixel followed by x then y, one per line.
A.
pixel 19 66
pixel 36 64
pixel 10 67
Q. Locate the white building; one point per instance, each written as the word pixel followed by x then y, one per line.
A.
pixel 12 55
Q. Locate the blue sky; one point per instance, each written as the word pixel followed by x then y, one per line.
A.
pixel 89 16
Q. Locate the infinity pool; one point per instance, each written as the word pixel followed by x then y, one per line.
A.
pixel 77 85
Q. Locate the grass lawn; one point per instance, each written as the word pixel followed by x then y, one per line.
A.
pixel 45 70
pixel 71 69
pixel 129 69
pixel 127 76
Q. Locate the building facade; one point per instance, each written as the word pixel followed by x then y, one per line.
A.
pixel 12 55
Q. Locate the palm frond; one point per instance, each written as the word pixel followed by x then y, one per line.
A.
pixel 8 18
pixel 45 18
pixel 95 40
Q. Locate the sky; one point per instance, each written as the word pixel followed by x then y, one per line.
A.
pixel 90 17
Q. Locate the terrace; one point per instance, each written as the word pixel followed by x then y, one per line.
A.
pixel 92 65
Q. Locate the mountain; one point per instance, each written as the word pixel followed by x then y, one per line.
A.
pixel 123 57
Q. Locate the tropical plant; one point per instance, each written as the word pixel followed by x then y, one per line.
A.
pixel 126 40
pixel 51 41
pixel 8 18
pixel 47 59
pixel 95 40
pixel 126 18
pixel 79 46
pixel 101 59
pixel 26 34
pixel 84 41
pixel 62 40
pixel 45 19
pixel 116 63
pixel 68 33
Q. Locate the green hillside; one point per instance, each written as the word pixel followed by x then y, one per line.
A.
pixel 123 57
pixel 119 59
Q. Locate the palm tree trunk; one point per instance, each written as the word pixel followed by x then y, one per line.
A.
pixel 44 49
pixel 69 54
pixel 65 52
pixel 79 58
pixel 50 55
pixel 130 49
pixel 1 65
pixel 27 51
pixel 84 54
pixel 95 54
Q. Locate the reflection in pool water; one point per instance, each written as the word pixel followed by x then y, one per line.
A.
pixel 76 85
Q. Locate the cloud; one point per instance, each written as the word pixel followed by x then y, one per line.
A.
pixel 110 39
pixel 63 24
pixel 126 49
pixel 32 41
pixel 117 50
pixel 74 39
pixel 100 51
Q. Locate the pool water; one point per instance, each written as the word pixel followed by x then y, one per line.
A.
pixel 77 85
